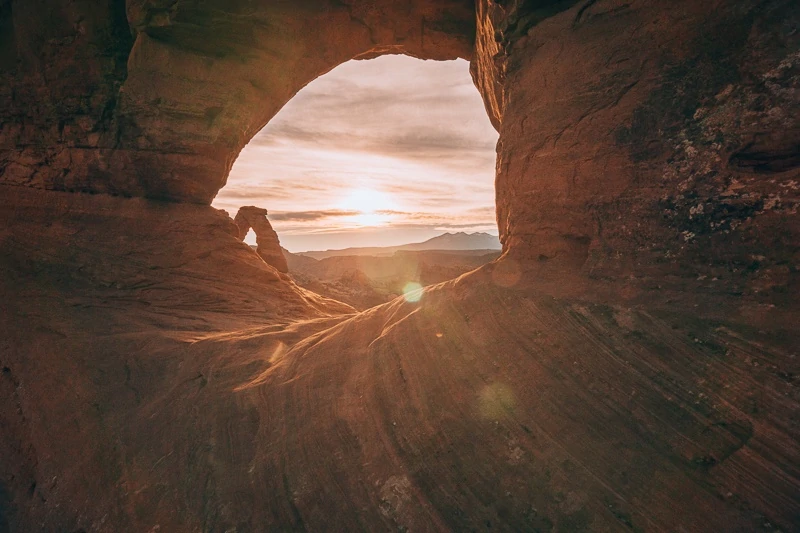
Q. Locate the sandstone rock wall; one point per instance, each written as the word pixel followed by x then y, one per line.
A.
pixel 639 140
pixel 157 98
pixel 649 141
pixel 62 65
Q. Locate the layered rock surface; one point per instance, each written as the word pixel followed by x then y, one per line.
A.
pixel 157 98
pixel 649 141
pixel 630 362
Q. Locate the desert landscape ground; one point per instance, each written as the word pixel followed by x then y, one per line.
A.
pixel 366 277
pixel 628 362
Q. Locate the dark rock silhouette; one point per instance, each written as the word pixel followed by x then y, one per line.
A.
pixel 108 98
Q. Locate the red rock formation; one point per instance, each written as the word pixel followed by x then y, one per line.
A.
pixel 160 103
pixel 629 363
pixel 625 130
pixel 269 246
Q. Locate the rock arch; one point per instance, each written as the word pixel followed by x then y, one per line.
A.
pixel 269 246
pixel 602 108
pixel 632 352
pixel 156 99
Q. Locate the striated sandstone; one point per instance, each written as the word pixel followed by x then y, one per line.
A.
pixel 144 384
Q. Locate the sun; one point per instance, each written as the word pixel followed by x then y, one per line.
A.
pixel 366 201
pixel 372 207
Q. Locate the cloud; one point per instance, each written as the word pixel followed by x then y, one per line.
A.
pixel 405 108
pixel 306 216
pixel 402 141
pixel 246 193
pixel 271 189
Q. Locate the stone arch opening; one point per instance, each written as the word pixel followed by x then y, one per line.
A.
pixel 202 82
pixel 155 98
pixel 380 152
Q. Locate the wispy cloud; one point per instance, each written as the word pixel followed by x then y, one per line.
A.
pixel 305 216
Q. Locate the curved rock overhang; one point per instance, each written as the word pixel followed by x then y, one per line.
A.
pixel 637 139
pixel 157 98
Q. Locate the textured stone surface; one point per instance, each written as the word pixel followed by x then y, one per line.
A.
pixel 153 376
pixel 652 142
pixel 268 244
pixel 160 103
pixel 629 363
pixel 640 136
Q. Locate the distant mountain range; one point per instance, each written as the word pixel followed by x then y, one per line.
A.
pixel 447 241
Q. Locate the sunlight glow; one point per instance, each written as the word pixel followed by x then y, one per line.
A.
pixel 412 292
pixel 366 201
pixel 382 152
pixel 374 207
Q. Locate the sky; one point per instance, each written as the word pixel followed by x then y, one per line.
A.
pixel 375 153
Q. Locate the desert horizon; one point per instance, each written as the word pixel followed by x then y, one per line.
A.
pixel 378 237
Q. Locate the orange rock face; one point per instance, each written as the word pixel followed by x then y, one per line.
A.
pixel 629 363
pixel 156 99
pixel 648 142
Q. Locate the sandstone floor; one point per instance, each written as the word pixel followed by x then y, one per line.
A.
pixel 158 376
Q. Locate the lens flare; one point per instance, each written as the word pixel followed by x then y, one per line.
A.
pixel 412 292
